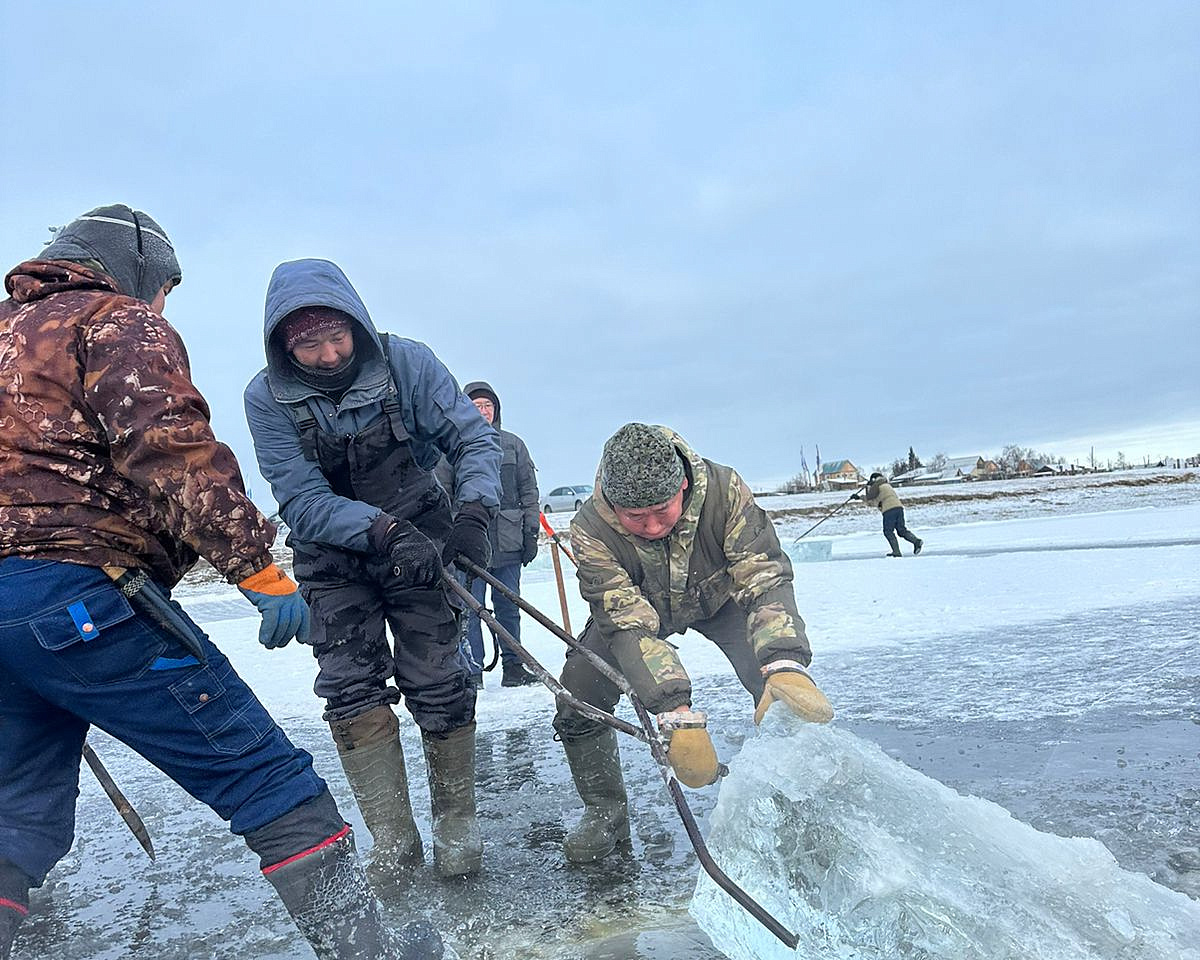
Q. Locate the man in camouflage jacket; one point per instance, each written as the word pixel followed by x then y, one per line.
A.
pixel 668 542
pixel 109 471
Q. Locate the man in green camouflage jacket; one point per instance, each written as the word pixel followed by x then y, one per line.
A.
pixel 669 542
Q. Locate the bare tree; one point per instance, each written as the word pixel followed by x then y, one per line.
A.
pixel 797 484
pixel 1011 457
pixel 939 461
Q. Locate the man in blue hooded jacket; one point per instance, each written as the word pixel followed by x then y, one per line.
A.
pixel 348 424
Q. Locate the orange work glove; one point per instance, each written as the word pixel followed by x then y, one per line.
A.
pixel 789 682
pixel 691 751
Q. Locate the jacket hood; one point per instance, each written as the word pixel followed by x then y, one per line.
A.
pixel 36 279
pixel 129 244
pixel 313 283
pixel 482 386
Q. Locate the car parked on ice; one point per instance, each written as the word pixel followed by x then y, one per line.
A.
pixel 565 499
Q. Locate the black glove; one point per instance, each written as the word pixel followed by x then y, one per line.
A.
pixel 469 536
pixel 414 557
pixel 530 551
pixel 856 496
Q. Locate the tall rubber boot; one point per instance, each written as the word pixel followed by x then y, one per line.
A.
pixel 14 904
pixel 457 844
pixel 373 758
pixel 916 541
pixel 891 538
pixel 325 890
pixel 596 769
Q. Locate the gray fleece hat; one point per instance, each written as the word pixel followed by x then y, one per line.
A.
pixel 131 247
pixel 640 467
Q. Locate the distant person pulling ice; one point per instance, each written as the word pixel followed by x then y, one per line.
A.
pixel 879 493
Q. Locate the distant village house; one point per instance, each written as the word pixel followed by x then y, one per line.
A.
pixel 956 470
pixel 839 475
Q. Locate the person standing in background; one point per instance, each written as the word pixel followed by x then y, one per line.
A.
pixel 514 536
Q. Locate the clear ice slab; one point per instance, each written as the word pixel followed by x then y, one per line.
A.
pixel 863 858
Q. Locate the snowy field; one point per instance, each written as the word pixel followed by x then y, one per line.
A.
pixel 1041 654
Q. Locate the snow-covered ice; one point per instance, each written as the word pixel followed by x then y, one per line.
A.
pixel 1041 654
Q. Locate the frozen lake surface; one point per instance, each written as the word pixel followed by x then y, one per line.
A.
pixel 1041 654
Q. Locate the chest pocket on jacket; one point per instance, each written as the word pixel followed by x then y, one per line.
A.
pixel 510 522
pixel 712 593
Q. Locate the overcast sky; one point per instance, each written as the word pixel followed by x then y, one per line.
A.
pixel 864 226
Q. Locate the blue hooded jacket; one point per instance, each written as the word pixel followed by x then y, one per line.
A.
pixel 435 412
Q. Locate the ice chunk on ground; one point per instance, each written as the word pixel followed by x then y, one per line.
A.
pixel 811 551
pixel 864 857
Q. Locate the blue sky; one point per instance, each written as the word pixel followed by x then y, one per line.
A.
pixel 950 226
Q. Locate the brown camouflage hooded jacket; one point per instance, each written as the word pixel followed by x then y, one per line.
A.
pixel 640 592
pixel 106 452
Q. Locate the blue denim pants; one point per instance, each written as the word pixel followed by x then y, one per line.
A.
pixel 73 652
pixel 507 612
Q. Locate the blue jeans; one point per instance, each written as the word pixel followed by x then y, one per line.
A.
pixel 73 652
pixel 507 612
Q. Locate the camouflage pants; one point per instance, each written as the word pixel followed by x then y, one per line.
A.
pixel 727 629
pixel 354 602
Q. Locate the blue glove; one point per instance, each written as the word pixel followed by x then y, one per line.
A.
pixel 284 612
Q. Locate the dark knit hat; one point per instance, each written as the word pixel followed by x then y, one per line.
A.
pixel 310 322
pixel 130 246
pixel 640 467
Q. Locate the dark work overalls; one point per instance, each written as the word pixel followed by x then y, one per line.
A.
pixel 353 596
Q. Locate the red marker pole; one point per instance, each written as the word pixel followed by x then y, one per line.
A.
pixel 554 536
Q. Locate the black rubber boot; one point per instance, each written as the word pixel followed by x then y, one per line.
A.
pixel 14 904
pixel 457 844
pixel 916 541
pixel 891 538
pixel 515 675
pixel 326 892
pixel 371 754
pixel 596 769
